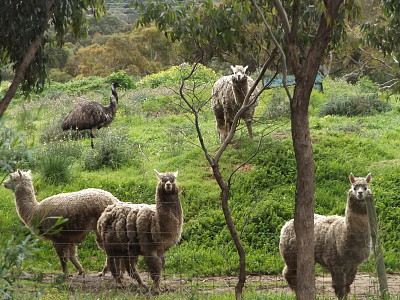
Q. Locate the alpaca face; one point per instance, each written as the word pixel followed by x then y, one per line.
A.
pixel 167 181
pixel 15 178
pixel 360 186
pixel 239 73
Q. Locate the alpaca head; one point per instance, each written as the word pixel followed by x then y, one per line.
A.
pixel 360 186
pixel 16 178
pixel 167 182
pixel 239 73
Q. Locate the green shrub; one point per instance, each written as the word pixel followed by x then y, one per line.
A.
pixel 173 76
pixel 126 81
pixel 278 105
pixel 352 105
pixel 12 255
pixel 54 161
pixel 111 150
pixel 13 150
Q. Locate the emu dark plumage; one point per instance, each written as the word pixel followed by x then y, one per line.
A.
pixel 92 115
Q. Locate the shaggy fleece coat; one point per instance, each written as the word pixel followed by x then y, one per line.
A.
pixel 227 98
pixel 82 209
pixel 341 243
pixel 128 230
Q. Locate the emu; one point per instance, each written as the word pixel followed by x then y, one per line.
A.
pixel 92 115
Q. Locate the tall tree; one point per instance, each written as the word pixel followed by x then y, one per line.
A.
pixel 23 28
pixel 303 30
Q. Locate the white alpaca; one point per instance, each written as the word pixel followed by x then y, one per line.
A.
pixel 341 243
pixel 227 98
pixel 82 209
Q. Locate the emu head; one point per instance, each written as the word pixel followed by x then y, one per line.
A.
pixel 167 181
pixel 360 186
pixel 15 178
pixel 114 86
pixel 239 73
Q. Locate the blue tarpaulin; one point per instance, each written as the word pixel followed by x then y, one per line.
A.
pixel 290 80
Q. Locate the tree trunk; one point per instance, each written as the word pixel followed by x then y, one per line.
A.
pixel 225 191
pixel 23 66
pixel 304 207
pixel 20 73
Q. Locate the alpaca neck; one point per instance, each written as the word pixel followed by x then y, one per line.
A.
pixel 240 91
pixel 357 217
pixel 25 202
pixel 169 213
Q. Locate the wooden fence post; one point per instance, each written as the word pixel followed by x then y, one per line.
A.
pixel 376 244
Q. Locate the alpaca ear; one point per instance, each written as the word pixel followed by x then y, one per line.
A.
pixel 19 172
pixel 245 68
pixel 233 69
pixel 368 178
pixel 175 174
pixel 158 174
pixel 351 178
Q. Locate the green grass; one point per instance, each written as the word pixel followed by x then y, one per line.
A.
pixel 154 132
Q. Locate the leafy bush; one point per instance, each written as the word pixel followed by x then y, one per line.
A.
pixel 351 105
pixel 278 105
pixel 173 76
pixel 54 161
pixel 12 255
pixel 13 151
pixel 111 150
pixel 125 80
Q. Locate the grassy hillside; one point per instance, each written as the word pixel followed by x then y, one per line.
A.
pixel 153 130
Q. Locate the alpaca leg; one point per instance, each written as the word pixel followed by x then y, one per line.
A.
pixel 221 129
pixel 350 275
pixel 113 264
pixel 154 264
pixel 249 128
pixel 61 252
pixel 74 260
pixel 130 266
pixel 290 274
pixel 339 283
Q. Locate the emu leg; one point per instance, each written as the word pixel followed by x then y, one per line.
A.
pixel 154 264
pixel 91 138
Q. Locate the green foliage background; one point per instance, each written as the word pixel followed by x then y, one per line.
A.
pixel 153 130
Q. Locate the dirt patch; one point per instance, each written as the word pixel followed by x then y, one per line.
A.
pixel 363 285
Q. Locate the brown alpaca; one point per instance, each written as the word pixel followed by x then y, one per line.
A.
pixel 128 230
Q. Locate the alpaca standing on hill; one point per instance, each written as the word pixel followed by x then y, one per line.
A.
pixel 92 115
pixel 341 243
pixel 82 209
pixel 227 98
pixel 128 230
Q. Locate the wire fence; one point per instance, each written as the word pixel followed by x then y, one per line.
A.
pixel 193 281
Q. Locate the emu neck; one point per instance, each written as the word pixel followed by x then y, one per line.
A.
pixel 356 216
pixel 113 105
pixel 25 202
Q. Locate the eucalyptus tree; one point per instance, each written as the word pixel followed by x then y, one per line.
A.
pixel 24 28
pixel 302 31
